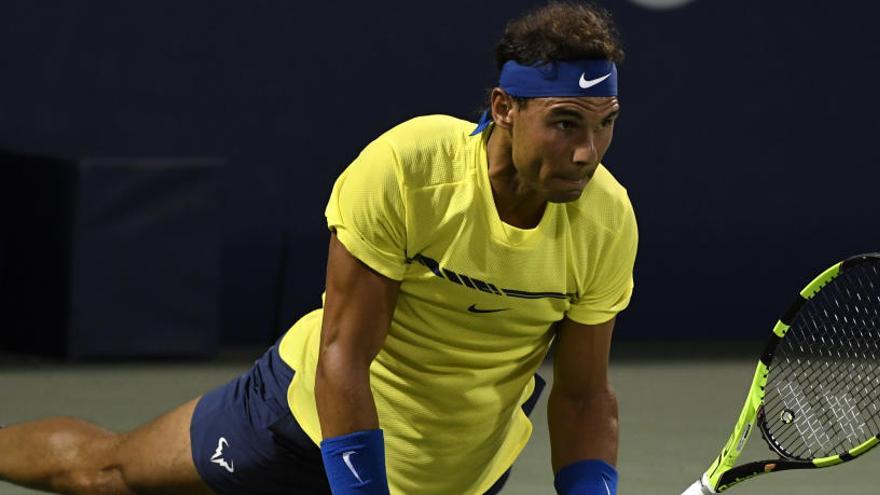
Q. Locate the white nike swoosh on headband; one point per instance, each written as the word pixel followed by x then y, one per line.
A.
pixel 607 490
pixel 585 83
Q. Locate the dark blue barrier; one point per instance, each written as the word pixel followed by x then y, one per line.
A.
pixel 745 139
pixel 112 257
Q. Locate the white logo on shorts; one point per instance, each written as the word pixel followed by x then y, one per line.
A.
pixel 218 459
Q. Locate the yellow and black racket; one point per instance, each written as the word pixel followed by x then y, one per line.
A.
pixel 816 392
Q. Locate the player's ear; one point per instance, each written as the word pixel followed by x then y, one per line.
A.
pixel 502 108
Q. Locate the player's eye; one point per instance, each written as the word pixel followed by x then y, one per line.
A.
pixel 565 125
pixel 608 122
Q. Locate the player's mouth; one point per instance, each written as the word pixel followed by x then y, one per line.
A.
pixel 578 182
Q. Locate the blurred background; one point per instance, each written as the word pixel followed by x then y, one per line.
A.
pixel 166 164
pixel 164 168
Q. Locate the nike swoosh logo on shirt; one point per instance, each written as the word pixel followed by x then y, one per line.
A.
pixel 474 309
pixel 585 83
pixel 607 490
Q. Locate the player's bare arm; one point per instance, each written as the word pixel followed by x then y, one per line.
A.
pixel 582 408
pixel 357 314
pixel 432 220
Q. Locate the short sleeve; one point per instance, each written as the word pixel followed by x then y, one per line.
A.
pixel 367 212
pixel 611 285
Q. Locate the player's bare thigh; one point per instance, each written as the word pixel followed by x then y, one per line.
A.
pixel 157 457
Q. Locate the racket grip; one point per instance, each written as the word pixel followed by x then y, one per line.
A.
pixel 698 488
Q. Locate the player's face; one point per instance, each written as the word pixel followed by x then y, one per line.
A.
pixel 557 143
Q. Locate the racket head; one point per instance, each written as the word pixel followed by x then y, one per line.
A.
pixel 839 309
pixel 822 397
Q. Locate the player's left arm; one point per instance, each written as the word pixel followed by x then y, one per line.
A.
pixel 582 408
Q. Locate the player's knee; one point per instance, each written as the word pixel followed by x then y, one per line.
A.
pixel 68 436
pixel 91 469
pixel 95 482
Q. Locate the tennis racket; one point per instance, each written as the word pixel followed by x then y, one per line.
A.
pixel 816 392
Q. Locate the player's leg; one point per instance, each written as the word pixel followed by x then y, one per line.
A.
pixel 157 457
pixel 44 454
pixel 237 439
pixel 69 455
pixel 245 440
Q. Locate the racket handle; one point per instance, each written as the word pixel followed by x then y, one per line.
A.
pixel 698 488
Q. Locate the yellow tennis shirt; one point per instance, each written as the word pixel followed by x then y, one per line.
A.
pixel 477 301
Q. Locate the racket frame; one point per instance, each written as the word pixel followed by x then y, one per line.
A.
pixel 722 473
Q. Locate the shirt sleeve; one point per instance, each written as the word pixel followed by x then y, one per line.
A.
pixel 610 288
pixel 367 212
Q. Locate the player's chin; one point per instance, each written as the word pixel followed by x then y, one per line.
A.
pixel 566 191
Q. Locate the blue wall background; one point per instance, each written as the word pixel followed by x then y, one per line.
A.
pixel 747 137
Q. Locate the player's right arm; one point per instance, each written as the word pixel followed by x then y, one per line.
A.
pixel 358 306
pixel 367 259
pixel 357 314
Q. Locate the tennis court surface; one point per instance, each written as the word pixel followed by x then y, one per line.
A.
pixel 676 411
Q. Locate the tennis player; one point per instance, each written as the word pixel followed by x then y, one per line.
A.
pixel 458 253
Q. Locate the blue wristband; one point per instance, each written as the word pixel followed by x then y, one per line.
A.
pixel 355 463
pixel 592 477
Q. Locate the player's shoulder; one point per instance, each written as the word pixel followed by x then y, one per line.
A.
pixel 444 128
pixel 433 149
pixel 605 202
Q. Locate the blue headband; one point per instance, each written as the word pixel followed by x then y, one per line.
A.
pixel 587 77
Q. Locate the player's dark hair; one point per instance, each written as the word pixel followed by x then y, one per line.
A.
pixel 560 30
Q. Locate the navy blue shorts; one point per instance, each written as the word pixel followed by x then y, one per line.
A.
pixel 246 441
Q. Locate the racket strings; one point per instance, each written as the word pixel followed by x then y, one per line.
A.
pixel 823 391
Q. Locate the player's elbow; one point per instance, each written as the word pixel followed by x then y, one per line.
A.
pixel 338 360
pixel 594 401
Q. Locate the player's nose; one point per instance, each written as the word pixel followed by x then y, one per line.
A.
pixel 585 151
